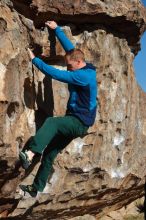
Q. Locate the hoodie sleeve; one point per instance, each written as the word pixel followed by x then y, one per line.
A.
pixel 65 42
pixel 77 77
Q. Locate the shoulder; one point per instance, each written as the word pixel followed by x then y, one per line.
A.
pixel 85 75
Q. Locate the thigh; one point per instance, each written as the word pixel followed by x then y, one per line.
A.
pixel 70 126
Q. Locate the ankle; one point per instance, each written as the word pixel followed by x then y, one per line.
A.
pixel 30 155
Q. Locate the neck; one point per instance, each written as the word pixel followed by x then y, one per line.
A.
pixel 83 64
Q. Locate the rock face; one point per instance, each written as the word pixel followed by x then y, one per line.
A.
pixel 105 170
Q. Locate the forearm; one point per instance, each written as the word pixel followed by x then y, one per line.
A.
pixel 65 42
pixel 48 70
pixel 74 77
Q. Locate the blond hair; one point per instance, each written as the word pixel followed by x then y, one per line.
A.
pixel 75 54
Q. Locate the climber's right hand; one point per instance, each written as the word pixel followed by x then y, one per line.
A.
pixel 51 24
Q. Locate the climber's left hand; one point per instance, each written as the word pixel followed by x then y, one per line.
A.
pixel 31 54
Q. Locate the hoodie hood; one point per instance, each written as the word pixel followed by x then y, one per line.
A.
pixel 89 66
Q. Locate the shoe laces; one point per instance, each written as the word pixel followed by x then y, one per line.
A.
pixel 30 188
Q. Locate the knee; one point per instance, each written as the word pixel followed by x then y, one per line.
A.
pixel 49 120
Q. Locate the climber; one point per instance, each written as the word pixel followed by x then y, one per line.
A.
pixel 57 132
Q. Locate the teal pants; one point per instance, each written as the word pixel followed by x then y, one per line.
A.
pixel 55 134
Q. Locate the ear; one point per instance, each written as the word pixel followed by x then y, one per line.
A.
pixel 79 62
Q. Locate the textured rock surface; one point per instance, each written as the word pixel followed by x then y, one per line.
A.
pixel 104 171
pixel 123 19
pixel 133 211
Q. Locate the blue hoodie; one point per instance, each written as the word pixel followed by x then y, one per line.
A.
pixel 81 84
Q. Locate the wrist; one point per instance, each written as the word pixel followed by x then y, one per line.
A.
pixel 32 57
pixel 55 27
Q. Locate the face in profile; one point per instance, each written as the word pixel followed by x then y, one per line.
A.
pixel 72 64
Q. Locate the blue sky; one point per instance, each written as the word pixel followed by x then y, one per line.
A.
pixel 140 62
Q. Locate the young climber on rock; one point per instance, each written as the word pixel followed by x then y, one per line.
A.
pixel 57 132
